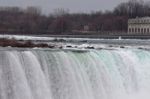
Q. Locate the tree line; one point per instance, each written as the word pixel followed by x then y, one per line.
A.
pixel 32 21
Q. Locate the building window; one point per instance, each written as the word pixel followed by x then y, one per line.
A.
pixel 132 30
pixel 144 30
pixel 141 21
pixel 148 30
pixel 138 30
pixel 141 30
pixel 135 30
pixel 129 30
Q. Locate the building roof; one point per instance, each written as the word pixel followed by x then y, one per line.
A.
pixel 139 20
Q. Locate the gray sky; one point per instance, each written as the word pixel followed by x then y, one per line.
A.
pixel 73 5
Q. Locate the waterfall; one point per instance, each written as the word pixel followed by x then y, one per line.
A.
pixel 93 74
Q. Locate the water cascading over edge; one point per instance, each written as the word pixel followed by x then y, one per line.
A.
pixel 103 74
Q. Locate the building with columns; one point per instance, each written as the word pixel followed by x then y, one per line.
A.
pixel 139 25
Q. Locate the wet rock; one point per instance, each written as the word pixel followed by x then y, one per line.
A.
pixel 69 46
pixel 90 47
pixel 140 48
pixel 51 46
pixel 122 47
pixel 110 46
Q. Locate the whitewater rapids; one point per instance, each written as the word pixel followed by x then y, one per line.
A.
pixel 93 74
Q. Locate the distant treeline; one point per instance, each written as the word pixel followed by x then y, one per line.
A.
pixel 32 21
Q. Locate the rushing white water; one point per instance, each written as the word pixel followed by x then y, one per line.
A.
pixel 103 74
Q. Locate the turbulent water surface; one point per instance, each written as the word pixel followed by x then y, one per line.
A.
pixel 93 74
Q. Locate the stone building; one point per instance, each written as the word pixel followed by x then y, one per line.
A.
pixel 139 25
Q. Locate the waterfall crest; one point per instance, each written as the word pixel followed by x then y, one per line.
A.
pixel 103 74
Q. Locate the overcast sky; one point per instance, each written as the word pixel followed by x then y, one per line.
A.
pixel 73 5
